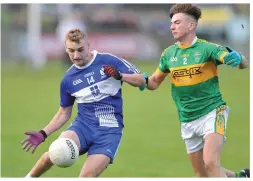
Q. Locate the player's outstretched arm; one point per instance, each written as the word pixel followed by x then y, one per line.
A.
pixel 60 118
pixel 235 59
pixel 34 139
pixel 155 80
pixel 136 80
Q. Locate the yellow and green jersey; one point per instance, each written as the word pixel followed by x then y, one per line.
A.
pixel 194 78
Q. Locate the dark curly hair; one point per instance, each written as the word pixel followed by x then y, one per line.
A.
pixel 189 9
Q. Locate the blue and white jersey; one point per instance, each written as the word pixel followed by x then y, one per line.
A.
pixel 98 95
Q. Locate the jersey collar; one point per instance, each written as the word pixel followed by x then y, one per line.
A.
pixel 94 53
pixel 187 46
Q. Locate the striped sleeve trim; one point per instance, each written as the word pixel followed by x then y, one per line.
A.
pixel 222 56
pixel 161 72
pixel 126 63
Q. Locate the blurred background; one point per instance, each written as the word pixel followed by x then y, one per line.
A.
pixel 33 62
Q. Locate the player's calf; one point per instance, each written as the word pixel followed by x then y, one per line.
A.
pixel 212 150
pixel 198 164
pixel 42 165
pixel 212 165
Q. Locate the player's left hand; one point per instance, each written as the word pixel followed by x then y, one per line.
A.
pixel 233 58
pixel 111 71
pixel 34 139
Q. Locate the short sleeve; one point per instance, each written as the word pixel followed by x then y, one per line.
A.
pixel 124 66
pixel 163 63
pixel 217 53
pixel 65 98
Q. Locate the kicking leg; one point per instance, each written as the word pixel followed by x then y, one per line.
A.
pixel 42 165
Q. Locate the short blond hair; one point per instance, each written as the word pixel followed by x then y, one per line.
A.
pixel 75 35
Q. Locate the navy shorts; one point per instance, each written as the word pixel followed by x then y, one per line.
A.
pixel 94 140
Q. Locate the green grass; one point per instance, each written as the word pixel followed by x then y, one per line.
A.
pixel 151 144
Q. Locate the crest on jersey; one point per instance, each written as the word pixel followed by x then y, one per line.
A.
pixel 102 71
pixel 197 56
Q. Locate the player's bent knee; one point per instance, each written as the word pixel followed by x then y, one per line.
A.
pixel 46 160
pixel 73 136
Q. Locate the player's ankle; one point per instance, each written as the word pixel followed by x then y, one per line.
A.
pixel 28 176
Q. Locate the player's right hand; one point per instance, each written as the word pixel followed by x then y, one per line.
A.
pixel 111 71
pixel 233 58
pixel 34 139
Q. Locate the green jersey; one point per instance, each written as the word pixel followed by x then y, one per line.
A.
pixel 194 79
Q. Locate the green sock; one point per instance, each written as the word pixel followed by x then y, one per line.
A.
pixel 238 174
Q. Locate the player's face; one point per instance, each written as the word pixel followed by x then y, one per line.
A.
pixel 78 52
pixel 181 26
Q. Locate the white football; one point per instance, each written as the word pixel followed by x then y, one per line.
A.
pixel 63 152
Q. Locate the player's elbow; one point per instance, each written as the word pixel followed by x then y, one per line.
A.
pixel 152 86
pixel 140 82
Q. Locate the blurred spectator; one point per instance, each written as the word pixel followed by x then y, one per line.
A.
pixel 161 23
pixel 220 23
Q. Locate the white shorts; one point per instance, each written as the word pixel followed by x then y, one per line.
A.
pixel 193 133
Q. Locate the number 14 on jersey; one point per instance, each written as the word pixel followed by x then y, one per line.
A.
pixel 90 80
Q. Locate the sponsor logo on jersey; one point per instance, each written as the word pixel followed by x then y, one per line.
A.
pixel 173 59
pixel 186 72
pixel 78 81
pixel 89 74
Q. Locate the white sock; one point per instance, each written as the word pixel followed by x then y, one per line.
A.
pixel 28 176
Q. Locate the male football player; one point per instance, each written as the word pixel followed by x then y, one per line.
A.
pixel 97 128
pixel 203 113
